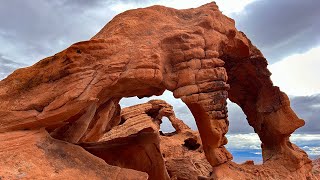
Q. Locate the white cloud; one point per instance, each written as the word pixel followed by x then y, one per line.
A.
pixel 166 96
pixel 243 141
pixel 298 74
pixel 251 141
pixel 314 151
pixel 305 137
pixel 248 145
pixel 231 6
pixel 226 6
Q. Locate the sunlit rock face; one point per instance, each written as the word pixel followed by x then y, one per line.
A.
pixel 198 54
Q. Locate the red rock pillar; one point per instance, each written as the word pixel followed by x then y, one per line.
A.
pixel 197 76
pixel 201 84
pixel 210 113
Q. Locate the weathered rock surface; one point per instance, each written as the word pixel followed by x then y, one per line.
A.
pixel 316 168
pixel 184 156
pixel 35 155
pixel 134 143
pixel 196 53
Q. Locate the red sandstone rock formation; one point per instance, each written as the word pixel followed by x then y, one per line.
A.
pixel 33 154
pixel 316 168
pixel 197 54
pixel 134 143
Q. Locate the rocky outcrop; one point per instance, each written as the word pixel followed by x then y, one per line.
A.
pixel 196 53
pixel 35 155
pixel 316 168
pixel 135 142
pixel 184 156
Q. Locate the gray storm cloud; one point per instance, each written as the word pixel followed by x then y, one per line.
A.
pixel 34 29
pixel 308 108
pixel 281 28
pixel 7 66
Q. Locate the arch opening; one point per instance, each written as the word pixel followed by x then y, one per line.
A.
pixel 267 108
pixel 243 143
pixel 180 109
pixel 166 126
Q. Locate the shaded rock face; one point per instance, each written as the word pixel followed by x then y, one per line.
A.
pixel 196 53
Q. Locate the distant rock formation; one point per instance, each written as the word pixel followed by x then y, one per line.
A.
pixel 72 98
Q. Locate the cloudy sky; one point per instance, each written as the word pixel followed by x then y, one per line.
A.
pixel 286 31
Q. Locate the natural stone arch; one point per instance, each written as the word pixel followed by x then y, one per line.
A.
pixel 156 110
pixel 95 75
pixel 188 52
pixel 266 107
